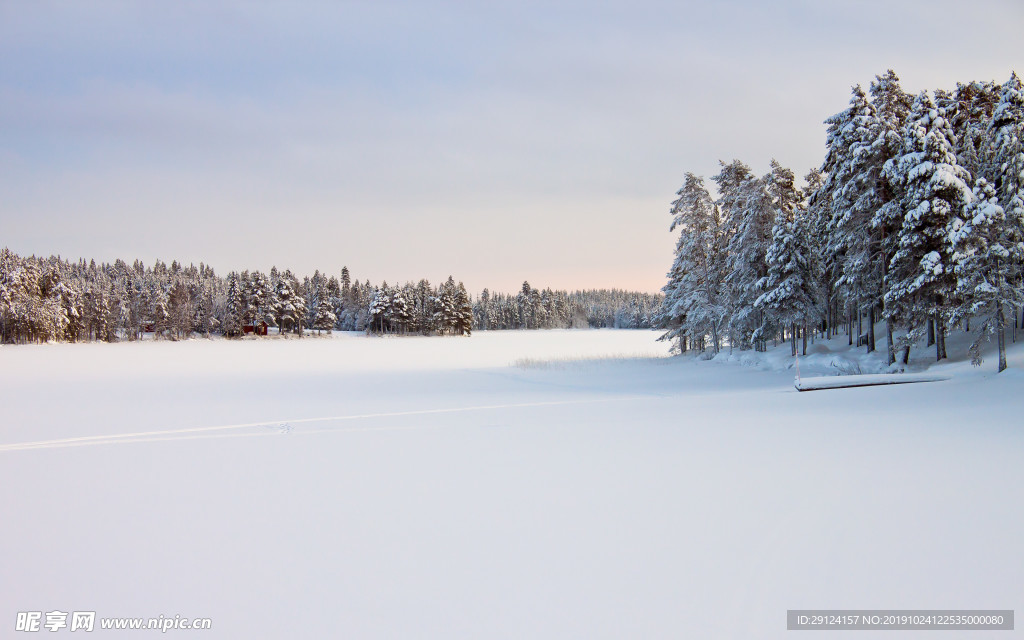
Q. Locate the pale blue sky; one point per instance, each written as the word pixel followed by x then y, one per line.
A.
pixel 494 141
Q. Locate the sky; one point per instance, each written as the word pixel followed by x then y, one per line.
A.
pixel 494 141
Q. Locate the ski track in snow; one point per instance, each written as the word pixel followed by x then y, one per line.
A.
pixel 284 426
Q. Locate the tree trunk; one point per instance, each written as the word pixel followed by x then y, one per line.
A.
pixel 764 339
pixel 871 328
pixel 940 339
pixel 889 346
pixel 805 337
pixel 835 320
pixel 860 323
pixel 833 317
pixel 1001 337
pixel 931 332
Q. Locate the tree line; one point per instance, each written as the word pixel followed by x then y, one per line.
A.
pixel 532 308
pixel 52 299
pixel 915 218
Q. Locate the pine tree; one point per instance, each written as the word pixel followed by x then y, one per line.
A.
pixel 693 294
pixel 179 308
pixel 1007 135
pixel 525 298
pixel 8 266
pixel 269 304
pixel 790 293
pixel 822 263
pixel 422 307
pixel 752 219
pixel 378 310
pixel 234 307
pixel 159 314
pixel 361 294
pixel 335 300
pixel 934 191
pixel 308 291
pixel 892 108
pixel 204 320
pixel 325 318
pixel 446 316
pixel 987 244
pixel 463 322
pixel 290 309
pixel 399 311
pixel 482 310
pixel 346 281
pixel 970 113
pixel 854 195
pixel 248 310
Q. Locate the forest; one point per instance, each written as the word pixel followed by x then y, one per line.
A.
pixel 52 299
pixel 914 221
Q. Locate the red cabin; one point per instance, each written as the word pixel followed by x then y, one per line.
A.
pixel 260 329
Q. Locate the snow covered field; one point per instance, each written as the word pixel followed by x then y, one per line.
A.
pixel 546 484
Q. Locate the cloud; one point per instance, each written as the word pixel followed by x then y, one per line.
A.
pixel 419 137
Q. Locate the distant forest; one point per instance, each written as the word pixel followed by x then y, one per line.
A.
pixel 51 299
pixel 915 219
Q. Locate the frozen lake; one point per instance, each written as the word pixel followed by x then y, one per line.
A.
pixel 556 484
